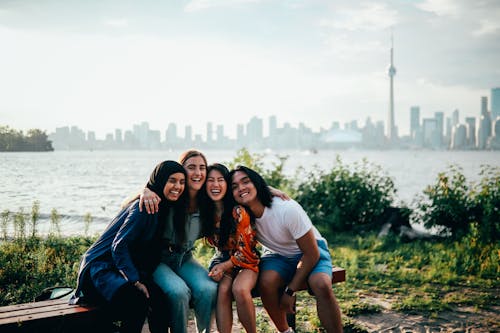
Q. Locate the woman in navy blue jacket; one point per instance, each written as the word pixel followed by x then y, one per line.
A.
pixel 116 271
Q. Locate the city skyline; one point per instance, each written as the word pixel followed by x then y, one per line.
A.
pixel 103 65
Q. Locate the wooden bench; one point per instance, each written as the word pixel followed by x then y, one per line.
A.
pixel 50 316
pixel 57 316
pixel 338 275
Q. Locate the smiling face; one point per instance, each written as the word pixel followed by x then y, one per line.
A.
pixel 216 185
pixel 244 191
pixel 196 169
pixel 175 186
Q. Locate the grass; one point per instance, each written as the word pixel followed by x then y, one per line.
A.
pixel 425 277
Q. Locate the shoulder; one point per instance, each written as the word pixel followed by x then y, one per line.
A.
pixel 280 204
pixel 240 212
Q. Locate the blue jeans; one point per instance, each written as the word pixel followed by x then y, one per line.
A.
pixel 188 284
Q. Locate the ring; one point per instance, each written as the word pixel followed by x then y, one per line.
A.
pixel 148 201
pixel 154 199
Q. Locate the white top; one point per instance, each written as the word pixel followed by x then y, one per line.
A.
pixel 282 224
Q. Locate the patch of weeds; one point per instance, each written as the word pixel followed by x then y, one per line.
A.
pixel 359 307
pixel 420 303
pixel 350 326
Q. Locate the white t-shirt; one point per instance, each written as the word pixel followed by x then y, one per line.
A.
pixel 282 224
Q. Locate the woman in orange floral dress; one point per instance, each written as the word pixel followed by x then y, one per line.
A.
pixel 236 262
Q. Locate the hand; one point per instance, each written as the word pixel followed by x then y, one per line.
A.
pixel 287 303
pixel 150 200
pixel 142 288
pixel 277 193
pixel 217 272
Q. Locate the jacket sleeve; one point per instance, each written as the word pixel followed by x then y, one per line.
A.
pixel 132 229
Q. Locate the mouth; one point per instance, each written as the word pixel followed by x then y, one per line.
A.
pixel 196 180
pixel 244 194
pixel 215 192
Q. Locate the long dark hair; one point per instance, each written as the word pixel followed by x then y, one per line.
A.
pixel 263 192
pixel 207 206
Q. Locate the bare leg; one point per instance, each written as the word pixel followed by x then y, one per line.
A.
pixel 243 284
pixel 327 306
pixel 224 309
pixel 270 284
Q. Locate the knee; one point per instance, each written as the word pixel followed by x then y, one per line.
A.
pixel 178 293
pixel 268 284
pixel 241 292
pixel 208 290
pixel 321 288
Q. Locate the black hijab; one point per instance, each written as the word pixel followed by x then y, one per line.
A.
pixel 160 175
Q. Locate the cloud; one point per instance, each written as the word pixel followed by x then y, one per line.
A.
pixel 441 7
pixel 370 16
pixel 196 5
pixel 487 27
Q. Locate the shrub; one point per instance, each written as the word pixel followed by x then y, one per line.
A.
pixel 274 176
pixel 452 205
pixel 486 198
pixel 342 198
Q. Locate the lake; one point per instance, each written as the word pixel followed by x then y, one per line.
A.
pixel 80 182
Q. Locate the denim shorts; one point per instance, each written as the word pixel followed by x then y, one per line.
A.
pixel 286 266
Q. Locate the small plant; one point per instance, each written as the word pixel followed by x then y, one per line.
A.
pixel 20 224
pixel 87 220
pixel 55 228
pixel 35 215
pixel 5 223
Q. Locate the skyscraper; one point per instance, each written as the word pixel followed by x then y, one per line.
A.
pixel 414 120
pixel 495 103
pixel 391 127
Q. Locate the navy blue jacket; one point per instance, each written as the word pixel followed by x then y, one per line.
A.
pixel 128 246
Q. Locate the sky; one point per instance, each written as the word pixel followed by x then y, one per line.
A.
pixel 107 64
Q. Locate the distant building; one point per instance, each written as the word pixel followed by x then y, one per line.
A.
pixel 459 137
pixel 430 133
pixel 414 120
pixel 210 132
pixel 439 116
pixel 484 131
pixel 495 103
pixel 470 123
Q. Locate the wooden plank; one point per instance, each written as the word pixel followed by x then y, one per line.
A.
pixel 31 305
pixel 29 311
pixel 39 310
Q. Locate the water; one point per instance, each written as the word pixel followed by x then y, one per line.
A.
pixel 79 182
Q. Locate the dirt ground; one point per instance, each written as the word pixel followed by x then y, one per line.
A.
pixel 460 320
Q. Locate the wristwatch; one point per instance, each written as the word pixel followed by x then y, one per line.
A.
pixel 290 292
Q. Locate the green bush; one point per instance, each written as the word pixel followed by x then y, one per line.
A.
pixel 273 176
pixel 28 265
pixel 452 205
pixel 344 198
pixel 486 197
pixel 448 207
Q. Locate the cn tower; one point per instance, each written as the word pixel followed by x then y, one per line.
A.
pixel 391 127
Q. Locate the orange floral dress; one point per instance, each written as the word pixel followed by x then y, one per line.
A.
pixel 243 243
pixel 241 248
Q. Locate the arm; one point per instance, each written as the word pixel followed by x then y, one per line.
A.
pixel 277 193
pixel 310 257
pixel 131 230
pixel 150 200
